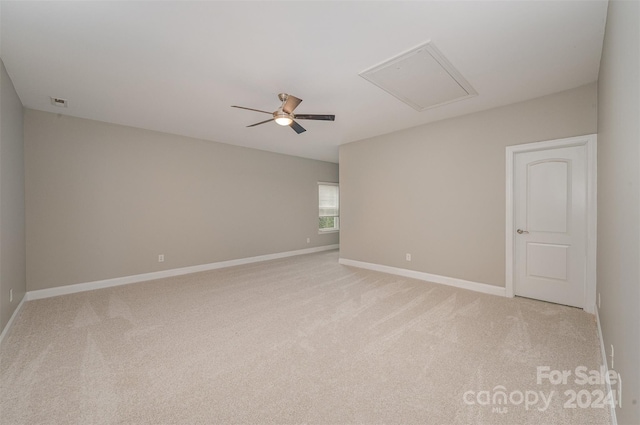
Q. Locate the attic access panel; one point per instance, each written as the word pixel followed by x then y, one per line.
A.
pixel 422 78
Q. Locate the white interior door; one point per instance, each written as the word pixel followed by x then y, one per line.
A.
pixel 550 219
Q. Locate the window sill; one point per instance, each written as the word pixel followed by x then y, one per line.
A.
pixel 322 232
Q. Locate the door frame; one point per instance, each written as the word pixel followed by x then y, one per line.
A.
pixel 590 141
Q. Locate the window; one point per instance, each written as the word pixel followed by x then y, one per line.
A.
pixel 328 207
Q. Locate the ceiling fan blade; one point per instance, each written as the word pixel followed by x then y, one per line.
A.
pixel 291 104
pixel 251 109
pixel 297 127
pixel 262 122
pixel 316 117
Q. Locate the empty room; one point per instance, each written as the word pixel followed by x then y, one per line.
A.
pixel 447 233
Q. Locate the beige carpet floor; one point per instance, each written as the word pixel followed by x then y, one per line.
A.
pixel 297 340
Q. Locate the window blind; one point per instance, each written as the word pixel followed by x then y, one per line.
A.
pixel 328 200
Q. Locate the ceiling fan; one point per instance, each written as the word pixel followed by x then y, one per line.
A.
pixel 285 116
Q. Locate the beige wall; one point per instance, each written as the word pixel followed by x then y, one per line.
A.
pixel 619 199
pixel 103 201
pixel 12 244
pixel 438 191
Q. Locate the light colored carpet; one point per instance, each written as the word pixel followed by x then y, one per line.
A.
pixel 297 340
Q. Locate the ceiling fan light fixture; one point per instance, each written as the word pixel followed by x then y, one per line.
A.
pixel 284 115
pixel 283 118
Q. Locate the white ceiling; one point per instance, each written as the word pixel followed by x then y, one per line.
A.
pixel 177 67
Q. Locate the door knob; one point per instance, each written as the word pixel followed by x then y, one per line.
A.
pixel 520 231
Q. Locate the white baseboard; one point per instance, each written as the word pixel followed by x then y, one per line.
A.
pixel 605 363
pixel 108 283
pixel 443 280
pixel 5 331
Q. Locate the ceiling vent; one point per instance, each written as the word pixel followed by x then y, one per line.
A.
pixel 422 78
pixel 59 102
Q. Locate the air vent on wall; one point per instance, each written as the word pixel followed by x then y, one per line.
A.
pixel 59 102
pixel 422 78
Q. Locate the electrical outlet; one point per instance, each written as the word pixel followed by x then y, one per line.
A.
pixel 10 295
pixel 160 258
pixel 308 240
pixel 407 257
pixel 611 356
pixel 620 392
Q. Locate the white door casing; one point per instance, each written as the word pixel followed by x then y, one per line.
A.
pixel 551 221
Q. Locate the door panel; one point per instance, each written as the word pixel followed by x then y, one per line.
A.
pixel 548 205
pixel 547 260
pixel 550 210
